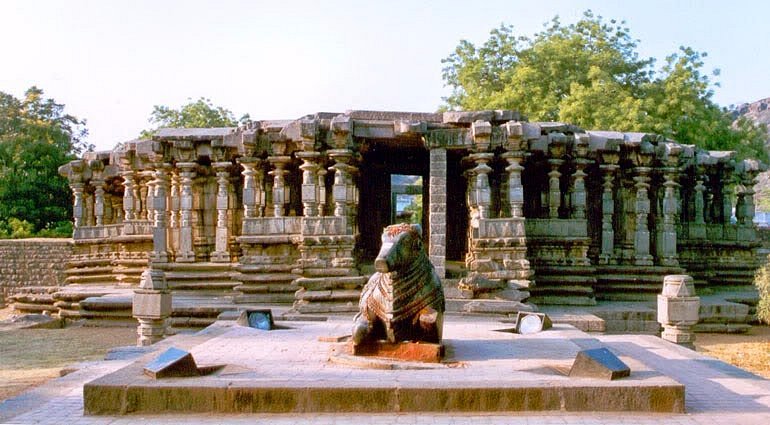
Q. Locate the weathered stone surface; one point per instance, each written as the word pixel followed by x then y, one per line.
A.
pixel 32 263
pixel 599 363
pixel 402 351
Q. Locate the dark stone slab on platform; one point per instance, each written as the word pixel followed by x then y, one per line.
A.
pixel 599 363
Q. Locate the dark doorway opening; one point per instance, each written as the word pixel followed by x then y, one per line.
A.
pixel 388 165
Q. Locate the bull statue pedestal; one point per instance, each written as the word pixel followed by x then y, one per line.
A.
pixel 401 310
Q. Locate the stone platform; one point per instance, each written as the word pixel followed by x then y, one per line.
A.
pixel 291 371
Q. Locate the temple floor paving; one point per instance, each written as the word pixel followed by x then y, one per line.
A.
pixel 715 392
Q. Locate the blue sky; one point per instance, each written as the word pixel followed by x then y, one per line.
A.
pixel 111 61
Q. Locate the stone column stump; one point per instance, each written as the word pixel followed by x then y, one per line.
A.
pixel 678 309
pixel 151 306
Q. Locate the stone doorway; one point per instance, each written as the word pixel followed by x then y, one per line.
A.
pixel 384 163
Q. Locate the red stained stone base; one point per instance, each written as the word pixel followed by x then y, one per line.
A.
pixel 405 351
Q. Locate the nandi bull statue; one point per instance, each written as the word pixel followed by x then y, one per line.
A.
pixel 403 300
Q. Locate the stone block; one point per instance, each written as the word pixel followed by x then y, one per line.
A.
pixel 678 310
pixel 151 304
pixel 172 363
pixel 403 351
pixel 599 363
pixel 463 117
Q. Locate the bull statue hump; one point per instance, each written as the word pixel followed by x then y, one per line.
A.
pixel 403 300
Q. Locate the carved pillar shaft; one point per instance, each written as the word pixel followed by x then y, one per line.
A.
pixel 159 208
pixel 341 180
pixel 250 191
pixel 483 193
pixel 185 253
pixel 221 252
pixel 98 202
pixel 78 207
pixel 608 210
pixel 554 189
pixel 89 209
pixel 642 210
pixel 578 195
pixel 670 210
pixel 280 191
pixel 129 188
pixel 321 178
pixel 699 201
pixel 309 168
pixel 515 188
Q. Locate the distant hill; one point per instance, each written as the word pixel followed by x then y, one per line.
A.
pixel 759 112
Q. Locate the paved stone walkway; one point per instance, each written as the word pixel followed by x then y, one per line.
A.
pixel 716 393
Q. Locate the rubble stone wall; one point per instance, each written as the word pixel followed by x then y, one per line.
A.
pixel 32 262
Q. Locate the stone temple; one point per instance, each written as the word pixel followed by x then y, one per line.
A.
pixel 292 211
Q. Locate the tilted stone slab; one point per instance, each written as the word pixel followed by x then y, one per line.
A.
pixel 599 363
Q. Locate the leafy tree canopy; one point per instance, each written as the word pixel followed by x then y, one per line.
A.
pixel 589 73
pixel 36 137
pixel 199 113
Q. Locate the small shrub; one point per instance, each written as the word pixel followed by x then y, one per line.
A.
pixel 61 229
pixel 20 229
pixel 762 281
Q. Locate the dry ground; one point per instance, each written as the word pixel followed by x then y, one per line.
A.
pixel 29 357
pixel 750 351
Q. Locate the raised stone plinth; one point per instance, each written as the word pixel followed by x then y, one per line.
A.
pixel 290 371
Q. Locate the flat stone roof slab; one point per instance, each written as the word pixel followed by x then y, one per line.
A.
pixel 290 371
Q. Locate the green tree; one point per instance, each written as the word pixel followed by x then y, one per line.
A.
pixel 589 73
pixel 36 137
pixel 199 113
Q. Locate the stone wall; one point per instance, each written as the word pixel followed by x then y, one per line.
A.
pixel 32 262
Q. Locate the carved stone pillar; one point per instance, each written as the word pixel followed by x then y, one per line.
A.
pixel 144 192
pixel 185 253
pixel 160 224
pixel 667 243
pixel 515 188
pixel 174 215
pixel 117 209
pixel 642 255
pixel 745 205
pixel 221 242
pixel 321 176
pixel 554 190
pixel 309 168
pixel 578 195
pixel 437 210
pixel 78 207
pixel 482 191
pixel 608 210
pixel 250 190
pixel 279 187
pixel 89 209
pixel 341 179
pixel 700 203
pixel 98 202
pixel 129 185
pixel 727 202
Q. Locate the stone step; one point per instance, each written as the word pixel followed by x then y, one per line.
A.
pixel 107 303
pixel 191 322
pixel 575 300
pixel 203 284
pixel 559 280
pixel 285 278
pixel 102 279
pixel 199 267
pixel 325 283
pixel 305 307
pixel 326 272
pixel 33 308
pixel 336 295
pixel 195 275
pixel 106 269
pixel 550 288
pixel 270 298
pixel 264 288
pixel 265 268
